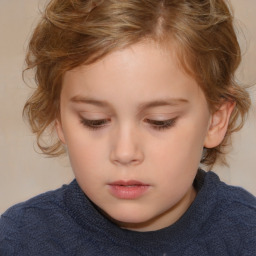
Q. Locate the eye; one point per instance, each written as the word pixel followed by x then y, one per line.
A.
pixel 161 124
pixel 94 124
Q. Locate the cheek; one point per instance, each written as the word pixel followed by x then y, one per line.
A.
pixel 181 146
pixel 85 152
pixel 87 165
pixel 177 157
pixel 191 137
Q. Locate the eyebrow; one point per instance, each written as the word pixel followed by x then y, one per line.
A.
pixel 142 106
pixel 91 101
pixel 162 102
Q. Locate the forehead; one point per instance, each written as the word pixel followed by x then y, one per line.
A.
pixel 143 70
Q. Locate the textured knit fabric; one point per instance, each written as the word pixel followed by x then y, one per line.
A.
pixel 221 221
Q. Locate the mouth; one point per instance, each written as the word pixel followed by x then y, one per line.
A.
pixel 128 189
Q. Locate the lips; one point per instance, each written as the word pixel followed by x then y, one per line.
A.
pixel 131 189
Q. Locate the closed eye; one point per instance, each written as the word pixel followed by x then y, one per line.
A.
pixel 94 124
pixel 161 124
pixel 155 124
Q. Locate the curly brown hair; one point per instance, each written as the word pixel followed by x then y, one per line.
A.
pixel 75 32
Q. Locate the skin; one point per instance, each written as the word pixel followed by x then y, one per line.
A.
pixel 128 89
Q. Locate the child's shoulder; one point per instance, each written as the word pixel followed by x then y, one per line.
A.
pixel 231 201
pixel 232 196
pixel 239 206
pixel 23 219
pixel 232 214
pixel 42 202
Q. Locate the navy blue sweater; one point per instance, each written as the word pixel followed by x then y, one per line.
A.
pixel 221 221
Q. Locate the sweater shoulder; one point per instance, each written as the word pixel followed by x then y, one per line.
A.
pixel 233 218
pixel 240 208
pixel 42 202
pixel 228 195
pixel 237 199
pixel 29 214
pixel 25 226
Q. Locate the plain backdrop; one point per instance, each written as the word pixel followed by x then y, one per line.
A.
pixel 25 173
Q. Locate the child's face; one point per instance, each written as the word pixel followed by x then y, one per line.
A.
pixel 135 125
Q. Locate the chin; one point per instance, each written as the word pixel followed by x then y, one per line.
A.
pixel 132 220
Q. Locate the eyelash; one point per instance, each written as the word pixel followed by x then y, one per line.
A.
pixel 161 124
pixel 155 124
pixel 94 124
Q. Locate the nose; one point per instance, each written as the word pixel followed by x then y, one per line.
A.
pixel 126 147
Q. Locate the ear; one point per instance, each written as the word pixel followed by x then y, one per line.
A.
pixel 59 130
pixel 218 124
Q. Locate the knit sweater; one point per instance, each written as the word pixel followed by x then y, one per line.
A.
pixel 220 221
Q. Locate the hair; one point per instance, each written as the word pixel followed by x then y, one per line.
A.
pixel 80 32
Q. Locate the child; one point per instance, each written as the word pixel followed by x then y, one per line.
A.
pixel 139 93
